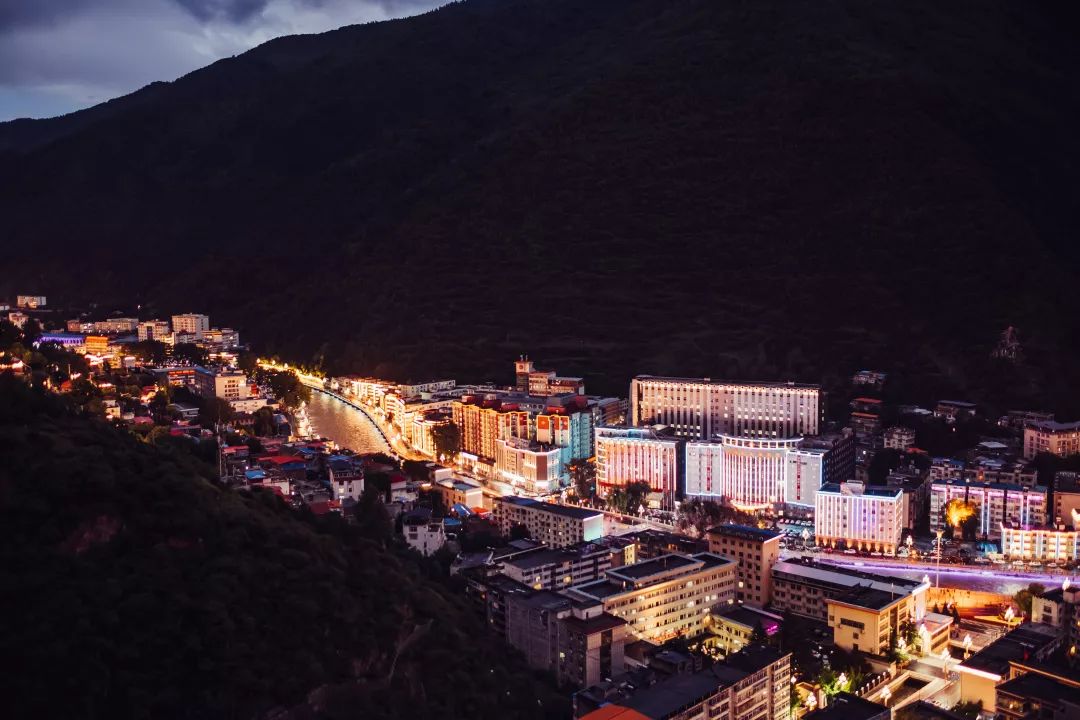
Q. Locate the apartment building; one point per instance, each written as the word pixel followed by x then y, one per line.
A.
pixel 754 551
pixel 666 596
pixel 899 438
pixel 1066 499
pixel 803 587
pixel 993 504
pixel 485 421
pixel 192 323
pixel 866 619
pixel 651 455
pixel 1060 544
pixel 153 330
pixel 734 627
pixel 535 468
pixel 855 515
pixel 1048 436
pixel 555 525
pixel 558 569
pixel 702 408
pixel 753 683
pixel 222 383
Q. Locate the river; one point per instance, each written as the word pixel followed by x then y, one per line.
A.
pixel 346 426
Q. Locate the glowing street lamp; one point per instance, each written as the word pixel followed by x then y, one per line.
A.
pixel 811 702
pixel 885 695
pixel 1009 614
pixel 967 645
pixel 842 680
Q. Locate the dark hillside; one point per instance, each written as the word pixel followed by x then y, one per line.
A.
pixel 135 589
pixel 767 189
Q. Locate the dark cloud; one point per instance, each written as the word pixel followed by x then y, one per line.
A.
pixel 70 54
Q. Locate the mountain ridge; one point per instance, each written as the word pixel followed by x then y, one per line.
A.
pixel 792 189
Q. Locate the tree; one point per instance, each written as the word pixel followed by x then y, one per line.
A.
pixel 191 353
pixel 518 532
pixel 264 422
pixel 1024 598
pixel 152 351
pixel 215 410
pixel 447 440
pixel 288 389
pixel 583 474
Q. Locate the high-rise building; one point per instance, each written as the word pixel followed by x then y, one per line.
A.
pixel 747 472
pixel 191 323
pixel 854 515
pixel 755 551
pixel 702 408
pixel 153 330
pixel 650 455
pixel 533 467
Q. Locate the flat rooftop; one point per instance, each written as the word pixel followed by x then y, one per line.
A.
pixel 656 566
pixel 1021 642
pixel 563 510
pixel 745 383
pixel 845 706
pixel 842 577
pixel 870 598
pixel 866 490
pixel 1043 688
pixel 745 532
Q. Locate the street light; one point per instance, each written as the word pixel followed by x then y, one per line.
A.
pixel 967 645
pixel 885 695
pixel 937 582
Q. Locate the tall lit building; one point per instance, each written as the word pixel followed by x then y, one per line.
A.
pixel 153 330
pixel 534 468
pixel 991 504
pixel 854 515
pixel 1059 544
pixel 555 525
pixel 747 472
pixel 485 421
pixel 191 323
pixel 649 455
pixel 664 597
pixel 702 408
pixel 816 461
pixel 755 551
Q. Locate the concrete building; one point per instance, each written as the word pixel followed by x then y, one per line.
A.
pixel 664 597
pixel 651 455
pixel 981 673
pixel 1066 499
pixel 192 323
pixel 31 302
pixel 459 491
pixel 558 569
pixel 153 330
pixel 866 619
pixel 1042 692
pixel 422 533
pixel 1052 437
pixel 116 326
pixel 753 683
pixel 802 587
pixel 733 627
pixel 222 383
pixel 855 515
pixel 1060 544
pixel 346 478
pixel 1060 608
pixel 702 408
pixel 846 706
pixel 816 461
pixel 485 421
pixel 554 525
pixel 993 505
pixel 755 551
pixel 533 467
pixel 899 438
pixel 749 473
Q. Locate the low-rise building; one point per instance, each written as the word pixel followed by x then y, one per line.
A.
pixel 555 525
pixel 422 533
pixel 558 569
pixel 664 597
pixel 1059 544
pixel 755 551
pixel 855 515
pixel 1049 436
pixel 346 478
pixel 1066 499
pixel 1039 692
pixel 953 410
pixel 867 619
pixel 733 628
pixel 846 706
pixel 899 437
pixel 753 683
pixel 459 491
pixel 803 586
pixel 981 673
pixel 1060 608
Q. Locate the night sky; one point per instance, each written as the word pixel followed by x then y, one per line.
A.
pixel 57 56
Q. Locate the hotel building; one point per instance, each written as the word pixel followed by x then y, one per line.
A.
pixel 755 551
pixel 531 466
pixel 994 505
pixel 1051 437
pixel 854 515
pixel 666 596
pixel 555 525
pixel 483 422
pixel 747 472
pixel 153 330
pixel 702 408
pixel 650 455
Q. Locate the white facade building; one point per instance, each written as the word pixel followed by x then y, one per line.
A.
pixel 628 455
pixel 701 408
pixel 749 473
pixel 32 302
pixel 534 468
pixel 191 323
pixel 153 330
pixel 856 516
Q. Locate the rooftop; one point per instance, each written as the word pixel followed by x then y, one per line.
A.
pixel 745 532
pixel 1017 645
pixel 867 597
pixel 744 383
pixel 595 624
pixel 851 489
pixel 1043 688
pixel 656 566
pixel 1053 426
pixel 842 577
pixel 845 706
pixel 563 510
